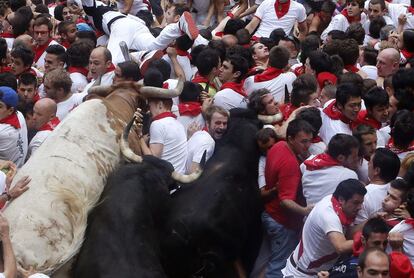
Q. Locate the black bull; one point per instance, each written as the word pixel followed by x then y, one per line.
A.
pixel 139 230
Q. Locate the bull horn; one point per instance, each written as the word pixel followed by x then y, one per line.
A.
pixel 126 151
pixel 269 119
pixel 155 92
pixel 186 178
pixel 102 91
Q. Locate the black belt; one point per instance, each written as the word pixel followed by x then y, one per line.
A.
pixel 113 20
pixel 292 261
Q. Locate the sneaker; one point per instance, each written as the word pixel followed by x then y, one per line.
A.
pixel 144 58
pixel 188 26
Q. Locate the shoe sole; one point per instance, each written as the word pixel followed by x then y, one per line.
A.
pixel 192 27
pixel 144 66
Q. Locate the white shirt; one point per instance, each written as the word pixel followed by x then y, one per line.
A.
pixel 40 64
pixel 408 232
pixel 269 21
pixel 38 140
pixel 388 21
pixel 372 204
pixel 106 80
pixel 395 10
pixel 64 107
pixel 229 99
pixel 171 134
pixel 339 22
pixel 200 142
pixel 383 136
pixel 261 180
pixel 14 142
pixel 321 221
pixel 185 65
pixel 331 127
pixel 319 183
pixel 137 5
pixel 371 71
pixel 362 171
pixel 317 148
pixel 276 86
pixel 79 82
pixel 187 120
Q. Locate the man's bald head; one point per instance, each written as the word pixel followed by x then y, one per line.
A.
pixel 25 40
pixel 388 62
pixel 43 111
pixel 99 61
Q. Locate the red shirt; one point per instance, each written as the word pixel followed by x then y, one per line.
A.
pixel 282 171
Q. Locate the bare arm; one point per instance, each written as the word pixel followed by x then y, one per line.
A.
pixel 210 14
pixel 128 6
pixel 179 72
pixel 10 269
pixel 303 30
pixel 249 11
pixel 253 25
pixel 240 9
pixel 295 208
pixel 341 245
pixel 151 149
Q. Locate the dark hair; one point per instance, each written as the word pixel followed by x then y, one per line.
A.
pixel 376 97
pixel 196 51
pixel 381 2
pixel 9 80
pixel 147 17
pixel 364 255
pixel 279 57
pixel 239 64
pixel 255 100
pixel 21 20
pixel 58 12
pixel 375 26
pixel 302 88
pixel 63 26
pixel 408 40
pixel 16 4
pixel 374 225
pixel 320 61
pixel 342 144
pixel 233 25
pixel 243 36
pixel 241 51
pixel 28 78
pixel 163 67
pixel 370 55
pixel 328 7
pixel 220 47
pixel 361 130
pixel 346 91
pixel 130 70
pixel 403 84
pixel 348 188
pixel 3 48
pixel 349 51
pixel 297 126
pixel 41 9
pixel 402 128
pixel 308 45
pixel 87 36
pixel 43 20
pixel 184 42
pixel 337 35
pixel 410 202
pixel 191 92
pixel 356 32
pixel 153 77
pixel 78 53
pixel 351 77
pixel 313 116
pixel 25 54
pixel 403 186
pixel 58 50
pixel 265 134
pixel 368 84
pixel 207 59
pixel 388 163
pixel 179 8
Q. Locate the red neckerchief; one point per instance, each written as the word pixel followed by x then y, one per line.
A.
pixel 12 120
pixel 5 69
pixel 332 112
pixel 40 49
pixel 269 74
pixel 320 161
pixel 201 79
pixel 183 53
pixel 357 247
pixel 324 77
pixel 36 97
pixel 396 150
pixel 50 125
pixel 7 35
pixel 82 70
pixel 99 33
pixel 410 221
pixel 351 68
pixel 410 9
pixel 299 70
pixel 363 118
pixel 316 139
pixel 406 53
pixel 345 220
pixel 287 109
pixel 237 87
pixel 219 34
pixel 350 19
pixel 163 115
pixel 111 68
pixel 190 108
pixel 281 8
pixel 65 44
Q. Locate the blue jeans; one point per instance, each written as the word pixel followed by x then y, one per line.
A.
pixel 282 243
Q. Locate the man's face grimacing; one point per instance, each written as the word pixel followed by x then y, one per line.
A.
pixel 97 63
pixel 217 126
pixel 351 107
pixel 352 206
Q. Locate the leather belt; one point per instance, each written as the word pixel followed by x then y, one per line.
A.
pixel 113 20
pixel 292 261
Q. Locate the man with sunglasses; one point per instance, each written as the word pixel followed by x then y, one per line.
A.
pixel 353 12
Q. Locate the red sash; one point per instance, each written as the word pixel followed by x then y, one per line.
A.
pixel 299 70
pixel 12 120
pixel 316 139
pixel 201 79
pixel 363 118
pixel 332 112
pixel 183 53
pixel 410 221
pixel 40 49
pixel 269 74
pixel 163 115
pixel 326 77
pixel 82 70
pixel 50 125
pixel 320 161
pixel 351 19
pixel 5 69
pixel 65 44
pixel 189 108
pixel 410 9
pixel 111 68
pixel 237 87
pixel 408 55
pixel 396 150
pixel 345 220
pixel 281 8
pixel 351 68
pixel 36 97
pixel 7 35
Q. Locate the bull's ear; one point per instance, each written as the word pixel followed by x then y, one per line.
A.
pixel 101 91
